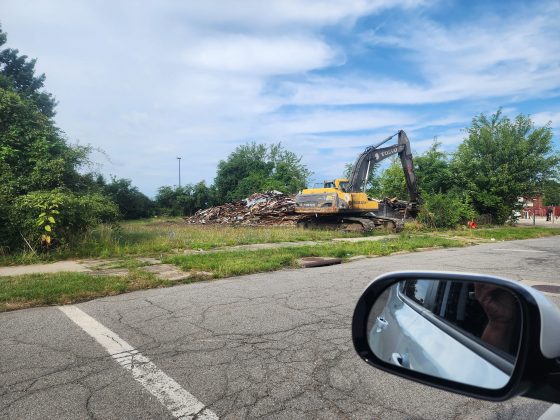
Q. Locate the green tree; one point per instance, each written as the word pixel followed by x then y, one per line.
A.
pixel 391 182
pixel 132 203
pixel 38 167
pixel 33 157
pixel 551 190
pixel 202 196
pixel 433 170
pixel 502 159
pixel 33 149
pixel 256 167
pixel 185 200
pixel 166 201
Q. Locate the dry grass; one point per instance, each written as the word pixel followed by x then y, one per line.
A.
pixel 156 237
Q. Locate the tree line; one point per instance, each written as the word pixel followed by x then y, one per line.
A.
pixel 500 160
pixel 48 197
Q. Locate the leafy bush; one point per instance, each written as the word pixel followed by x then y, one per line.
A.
pixel 444 211
pixel 51 218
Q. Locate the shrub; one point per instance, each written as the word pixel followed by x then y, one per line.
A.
pixel 444 211
pixel 51 218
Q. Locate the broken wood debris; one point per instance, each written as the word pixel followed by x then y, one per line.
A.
pixel 269 208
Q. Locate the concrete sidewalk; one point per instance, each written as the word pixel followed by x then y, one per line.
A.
pixel 540 222
pixel 57 267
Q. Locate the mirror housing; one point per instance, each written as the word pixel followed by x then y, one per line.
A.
pixel 537 370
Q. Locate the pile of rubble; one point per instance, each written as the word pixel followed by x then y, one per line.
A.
pixel 269 208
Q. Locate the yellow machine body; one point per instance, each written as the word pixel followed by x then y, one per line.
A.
pixel 332 199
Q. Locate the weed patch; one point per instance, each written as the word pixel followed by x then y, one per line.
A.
pixel 235 263
pixel 63 288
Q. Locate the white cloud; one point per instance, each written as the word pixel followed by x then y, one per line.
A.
pixel 274 14
pixel 543 118
pixel 152 81
pixel 328 121
pixel 259 55
pixel 518 56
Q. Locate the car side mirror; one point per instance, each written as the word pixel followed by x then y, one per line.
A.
pixel 481 336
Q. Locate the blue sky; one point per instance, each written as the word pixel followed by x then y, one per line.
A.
pixel 148 81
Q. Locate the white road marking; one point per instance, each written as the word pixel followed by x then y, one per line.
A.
pixel 178 401
pixel 516 250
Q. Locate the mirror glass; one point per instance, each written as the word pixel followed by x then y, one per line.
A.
pixel 467 332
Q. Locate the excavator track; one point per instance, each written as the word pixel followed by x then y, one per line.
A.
pixel 372 223
pixel 355 224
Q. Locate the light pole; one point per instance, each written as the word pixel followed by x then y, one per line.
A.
pixel 179 159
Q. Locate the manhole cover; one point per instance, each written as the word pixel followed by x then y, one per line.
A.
pixel 549 288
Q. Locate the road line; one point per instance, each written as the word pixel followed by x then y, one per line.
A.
pixel 177 400
pixel 516 250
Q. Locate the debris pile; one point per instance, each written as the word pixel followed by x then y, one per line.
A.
pixel 269 208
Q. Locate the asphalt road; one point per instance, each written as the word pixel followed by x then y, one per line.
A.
pixel 274 345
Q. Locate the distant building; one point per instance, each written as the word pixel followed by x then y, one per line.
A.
pixel 530 201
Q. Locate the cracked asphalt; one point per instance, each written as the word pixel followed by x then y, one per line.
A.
pixel 274 345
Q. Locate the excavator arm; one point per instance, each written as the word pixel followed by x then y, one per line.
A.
pixel 375 154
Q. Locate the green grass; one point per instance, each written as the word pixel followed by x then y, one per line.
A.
pixel 31 290
pixel 62 288
pixel 141 238
pixel 235 263
pixel 157 236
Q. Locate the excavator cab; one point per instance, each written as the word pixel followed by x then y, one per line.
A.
pixel 338 184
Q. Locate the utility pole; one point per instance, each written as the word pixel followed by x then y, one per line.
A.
pixel 179 159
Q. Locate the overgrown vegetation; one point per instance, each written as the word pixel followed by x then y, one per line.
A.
pixel 50 289
pixel 155 237
pixel 502 159
pixel 63 288
pixel 41 188
pixel 234 263
pixel 444 211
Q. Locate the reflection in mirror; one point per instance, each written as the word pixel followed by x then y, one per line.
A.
pixel 461 331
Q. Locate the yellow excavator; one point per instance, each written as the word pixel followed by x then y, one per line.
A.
pixel 343 203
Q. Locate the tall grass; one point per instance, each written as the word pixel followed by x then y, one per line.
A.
pixel 156 236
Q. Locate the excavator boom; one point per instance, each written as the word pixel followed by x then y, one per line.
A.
pixel 374 154
pixel 346 200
